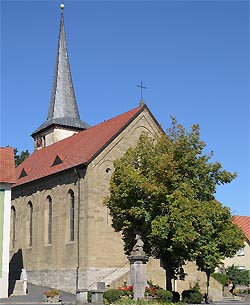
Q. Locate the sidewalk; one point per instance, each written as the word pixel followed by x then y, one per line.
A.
pixel 35 296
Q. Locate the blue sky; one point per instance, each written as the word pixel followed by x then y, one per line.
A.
pixel 193 57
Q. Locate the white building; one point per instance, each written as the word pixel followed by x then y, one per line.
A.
pixel 242 258
pixel 7 178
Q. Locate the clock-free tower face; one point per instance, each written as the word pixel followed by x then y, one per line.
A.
pixel 39 142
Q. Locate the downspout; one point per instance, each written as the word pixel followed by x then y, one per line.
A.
pixel 78 226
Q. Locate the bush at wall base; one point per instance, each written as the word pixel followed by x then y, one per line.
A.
pixel 192 296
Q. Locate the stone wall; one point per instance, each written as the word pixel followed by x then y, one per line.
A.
pixel 194 276
pixel 66 279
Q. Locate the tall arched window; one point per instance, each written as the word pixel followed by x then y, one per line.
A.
pixel 30 223
pixel 72 216
pixel 49 219
pixel 13 226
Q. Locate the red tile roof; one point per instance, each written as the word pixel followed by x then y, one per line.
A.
pixel 244 223
pixel 75 150
pixel 7 165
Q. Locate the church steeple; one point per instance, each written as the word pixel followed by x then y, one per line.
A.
pixel 63 116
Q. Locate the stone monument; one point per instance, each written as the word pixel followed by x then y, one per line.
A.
pixel 81 296
pixel 137 274
pixel 24 278
pixel 97 295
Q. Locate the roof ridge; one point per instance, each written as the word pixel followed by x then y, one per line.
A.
pixel 115 117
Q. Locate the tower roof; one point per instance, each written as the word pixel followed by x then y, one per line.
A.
pixel 63 110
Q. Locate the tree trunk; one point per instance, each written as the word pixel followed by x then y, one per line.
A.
pixel 169 277
pixel 169 274
pixel 208 273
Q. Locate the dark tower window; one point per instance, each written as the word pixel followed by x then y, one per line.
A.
pixel 30 223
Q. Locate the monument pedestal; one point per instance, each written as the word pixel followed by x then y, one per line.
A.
pixel 81 296
pixel 97 295
pixel 137 274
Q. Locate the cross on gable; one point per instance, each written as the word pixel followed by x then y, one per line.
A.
pixel 142 87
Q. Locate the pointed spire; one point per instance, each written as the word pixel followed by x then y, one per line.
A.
pixel 63 110
pixel 63 101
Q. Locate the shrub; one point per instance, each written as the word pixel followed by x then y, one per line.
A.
pixel 152 289
pixel 51 293
pixel 164 295
pixel 241 291
pixel 138 302
pixel 89 297
pixel 176 296
pixel 220 277
pixel 238 276
pixel 192 296
pixel 112 295
pixel 127 291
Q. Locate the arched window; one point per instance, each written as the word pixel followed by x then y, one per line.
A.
pixel 49 219
pixel 13 224
pixel 30 205
pixel 72 216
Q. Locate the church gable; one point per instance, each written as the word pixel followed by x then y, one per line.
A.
pixel 144 122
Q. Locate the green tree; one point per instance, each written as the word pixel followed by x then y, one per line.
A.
pixel 220 277
pixel 19 158
pixel 158 189
pixel 238 276
pixel 219 238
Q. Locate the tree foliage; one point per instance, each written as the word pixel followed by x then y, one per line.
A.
pixel 164 189
pixel 19 158
pixel 220 277
pixel 219 237
pixel 238 276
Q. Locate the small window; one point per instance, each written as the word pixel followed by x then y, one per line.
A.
pixel 30 223
pixel 58 159
pixel 49 219
pixel 13 215
pixel 72 215
pixel 23 173
pixel 242 267
pixel 241 252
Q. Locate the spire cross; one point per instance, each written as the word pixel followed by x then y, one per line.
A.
pixel 142 87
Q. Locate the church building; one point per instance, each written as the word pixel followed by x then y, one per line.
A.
pixel 60 230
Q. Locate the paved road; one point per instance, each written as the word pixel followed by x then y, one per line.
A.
pixel 35 296
pixel 233 302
